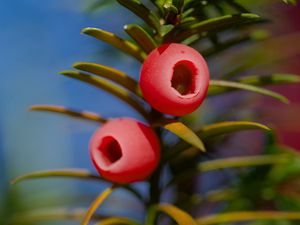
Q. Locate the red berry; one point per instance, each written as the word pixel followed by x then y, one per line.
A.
pixel 174 79
pixel 124 150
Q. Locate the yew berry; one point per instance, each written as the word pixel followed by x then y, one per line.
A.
pixel 124 150
pixel 174 79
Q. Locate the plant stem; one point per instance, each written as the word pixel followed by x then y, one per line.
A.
pixel 154 187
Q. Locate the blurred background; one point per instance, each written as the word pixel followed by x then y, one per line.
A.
pixel 39 39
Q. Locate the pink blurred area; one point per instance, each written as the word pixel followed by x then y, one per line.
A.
pixel 286 118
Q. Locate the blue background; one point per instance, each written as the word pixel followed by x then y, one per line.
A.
pixel 37 40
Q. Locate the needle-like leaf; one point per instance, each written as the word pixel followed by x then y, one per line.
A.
pixel 247 216
pixel 292 2
pixel 96 203
pixel 183 132
pixel 69 112
pixel 221 86
pixel 242 161
pixel 231 162
pixel 216 129
pixel 115 75
pixel 226 127
pixel 270 79
pixel 118 221
pixel 114 40
pixel 141 37
pixel 59 214
pixel 72 173
pixel 237 6
pixel 69 173
pixel 109 87
pixel 143 12
pixel 217 23
pixel 181 217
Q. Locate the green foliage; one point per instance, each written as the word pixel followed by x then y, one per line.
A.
pixel 75 173
pixel 217 129
pixel 106 85
pixel 118 221
pixel 136 7
pixel 53 215
pixel 141 37
pixel 96 203
pixel 244 216
pixel 228 127
pixel 69 112
pixel 182 131
pixel 187 29
pixel 109 73
pixel 262 183
pixel 292 2
pixel 181 217
pixel 231 162
pixel 269 79
pixel 112 39
pixel 221 86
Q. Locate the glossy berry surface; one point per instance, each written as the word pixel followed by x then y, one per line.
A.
pixel 174 79
pixel 124 150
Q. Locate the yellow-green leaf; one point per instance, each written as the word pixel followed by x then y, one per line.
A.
pixel 217 23
pixel 96 203
pixel 213 130
pixel 237 6
pixel 166 29
pixel 181 217
pixel 60 214
pixel 292 2
pixel 115 75
pixel 159 5
pixel 114 40
pixel 189 19
pixel 231 162
pixel 242 161
pixel 221 86
pixel 270 79
pixel 69 112
pixel 222 128
pixel 72 173
pixel 142 11
pixel 118 221
pixel 222 194
pixel 183 132
pixel 109 87
pixel 141 37
pixel 247 216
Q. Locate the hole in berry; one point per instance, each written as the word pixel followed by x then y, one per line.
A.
pixel 184 77
pixel 110 150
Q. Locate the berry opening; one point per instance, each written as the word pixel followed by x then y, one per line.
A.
pixel 184 77
pixel 110 150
